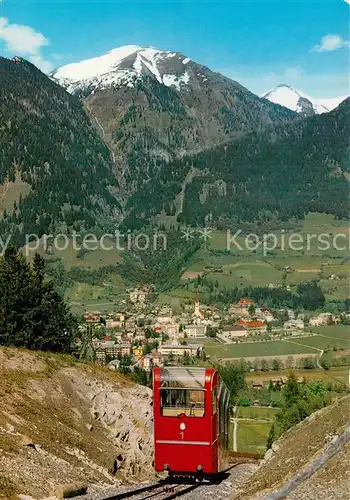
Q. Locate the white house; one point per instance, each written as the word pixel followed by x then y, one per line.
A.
pixel 294 323
pixel 196 331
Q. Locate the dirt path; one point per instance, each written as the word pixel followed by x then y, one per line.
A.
pixel 102 130
pixel 181 195
pixel 333 338
pixel 320 351
pixel 303 345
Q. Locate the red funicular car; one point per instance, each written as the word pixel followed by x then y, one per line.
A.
pixel 191 421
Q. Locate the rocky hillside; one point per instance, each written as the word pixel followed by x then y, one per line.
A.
pixel 310 461
pixel 65 422
pixel 54 169
pixel 150 105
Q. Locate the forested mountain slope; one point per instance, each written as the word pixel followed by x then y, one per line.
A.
pixel 54 168
pixel 152 105
pixel 276 174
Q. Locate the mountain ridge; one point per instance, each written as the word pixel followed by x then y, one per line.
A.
pixel 123 66
pixel 279 174
pixel 125 153
pixel 154 105
pixel 128 60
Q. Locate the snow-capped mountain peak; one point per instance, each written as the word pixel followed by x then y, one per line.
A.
pixel 295 100
pixel 123 66
pixel 300 102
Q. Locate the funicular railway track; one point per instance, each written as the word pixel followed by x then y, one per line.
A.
pixel 170 488
pixel 162 490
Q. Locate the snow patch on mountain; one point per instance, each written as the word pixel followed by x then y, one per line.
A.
pixel 96 66
pixel 176 80
pixel 123 66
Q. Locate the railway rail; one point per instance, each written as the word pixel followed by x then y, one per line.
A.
pixel 162 490
pixel 170 488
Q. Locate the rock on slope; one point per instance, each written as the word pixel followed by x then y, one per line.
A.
pixel 64 422
pixel 297 450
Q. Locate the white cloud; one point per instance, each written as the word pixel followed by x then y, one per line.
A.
pixel 41 63
pixel 24 41
pixel 20 38
pixel 330 43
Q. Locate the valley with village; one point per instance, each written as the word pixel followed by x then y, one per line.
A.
pixel 269 344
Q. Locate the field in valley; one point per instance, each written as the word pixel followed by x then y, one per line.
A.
pixel 256 349
pixel 252 436
pixel 329 338
pixel 225 268
pixel 283 265
pixel 256 412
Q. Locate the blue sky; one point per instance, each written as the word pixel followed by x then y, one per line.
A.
pixel 259 43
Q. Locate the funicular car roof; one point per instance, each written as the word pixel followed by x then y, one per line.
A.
pixel 183 377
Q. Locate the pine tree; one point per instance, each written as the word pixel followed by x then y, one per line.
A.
pixel 271 437
pixel 33 314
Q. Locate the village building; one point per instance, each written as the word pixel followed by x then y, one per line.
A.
pixel 137 351
pixel 112 349
pixel 140 335
pixel 138 295
pixel 114 323
pixel 196 331
pixel 92 318
pixel 197 312
pixel 257 384
pixel 233 332
pixel 180 350
pixel 321 319
pixel 293 324
pixel 264 314
pixel 254 325
pixel 146 362
pixel 163 320
pixel 172 329
pixel 130 323
pixel 241 308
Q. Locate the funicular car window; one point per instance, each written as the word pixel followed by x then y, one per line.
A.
pixel 214 400
pixel 182 391
pixel 176 401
